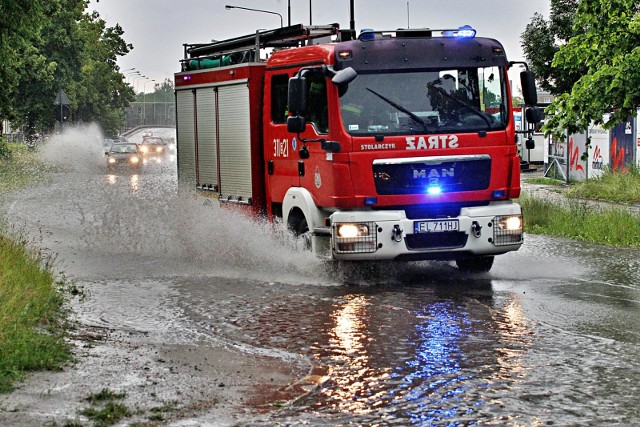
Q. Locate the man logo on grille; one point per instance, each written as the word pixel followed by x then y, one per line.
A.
pixel 433 173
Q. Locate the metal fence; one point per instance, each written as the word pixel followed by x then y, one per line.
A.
pixel 149 113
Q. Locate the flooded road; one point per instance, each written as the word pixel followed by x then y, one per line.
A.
pixel 226 321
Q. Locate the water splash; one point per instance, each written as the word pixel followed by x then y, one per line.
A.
pixel 125 216
pixel 78 148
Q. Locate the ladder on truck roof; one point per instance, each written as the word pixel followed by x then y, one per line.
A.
pixel 247 48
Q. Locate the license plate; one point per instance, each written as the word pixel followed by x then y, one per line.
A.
pixel 436 226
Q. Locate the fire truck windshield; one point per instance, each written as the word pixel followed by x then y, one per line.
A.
pixel 428 101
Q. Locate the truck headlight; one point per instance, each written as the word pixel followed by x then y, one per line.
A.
pixel 111 160
pixel 355 237
pixel 134 160
pixel 510 222
pixel 352 230
pixel 507 230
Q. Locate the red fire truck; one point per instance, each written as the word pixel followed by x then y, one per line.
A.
pixel 392 145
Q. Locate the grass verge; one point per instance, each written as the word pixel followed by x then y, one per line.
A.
pixel 20 167
pixel 618 187
pixel 581 220
pixel 578 220
pixel 31 299
pixel 31 313
pixel 544 181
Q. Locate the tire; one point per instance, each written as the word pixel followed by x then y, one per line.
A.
pixel 300 229
pixel 480 264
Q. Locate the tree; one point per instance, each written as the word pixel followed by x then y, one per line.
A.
pixel 606 50
pixel 56 57
pixel 20 23
pixel 542 39
pixel 104 94
pixel 165 91
pixel 75 51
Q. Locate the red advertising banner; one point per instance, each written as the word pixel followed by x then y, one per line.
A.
pixel 622 143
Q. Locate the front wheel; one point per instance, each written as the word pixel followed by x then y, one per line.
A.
pixel 300 229
pixel 480 264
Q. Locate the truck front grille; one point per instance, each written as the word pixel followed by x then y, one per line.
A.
pixel 418 175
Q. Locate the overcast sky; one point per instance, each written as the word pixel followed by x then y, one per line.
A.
pixel 157 29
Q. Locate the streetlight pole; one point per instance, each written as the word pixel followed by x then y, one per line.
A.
pixel 135 89
pixel 135 80
pixel 228 7
pixel 129 74
pixel 144 100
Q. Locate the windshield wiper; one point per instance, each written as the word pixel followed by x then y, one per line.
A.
pixel 399 107
pixel 476 110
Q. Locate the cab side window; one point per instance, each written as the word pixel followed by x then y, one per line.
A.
pixel 279 93
pixel 317 110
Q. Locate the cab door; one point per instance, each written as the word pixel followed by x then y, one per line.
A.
pixel 280 146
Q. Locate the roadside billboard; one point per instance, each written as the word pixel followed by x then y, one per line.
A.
pixel 623 146
pixel 598 150
pixel 614 149
pixel 577 147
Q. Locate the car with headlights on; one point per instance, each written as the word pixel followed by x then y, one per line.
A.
pixel 153 146
pixel 124 154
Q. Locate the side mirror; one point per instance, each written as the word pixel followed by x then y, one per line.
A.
pixel 344 77
pixel 297 95
pixel 534 114
pixel 296 124
pixel 528 83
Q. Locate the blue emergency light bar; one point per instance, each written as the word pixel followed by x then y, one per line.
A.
pixel 464 32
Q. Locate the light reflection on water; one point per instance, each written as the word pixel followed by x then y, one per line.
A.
pixel 132 180
pixel 348 340
pixel 434 375
pixel 416 357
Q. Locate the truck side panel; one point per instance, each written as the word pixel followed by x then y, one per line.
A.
pixel 220 133
pixel 185 127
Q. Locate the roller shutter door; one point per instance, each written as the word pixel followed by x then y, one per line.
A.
pixel 185 125
pixel 207 150
pixel 234 142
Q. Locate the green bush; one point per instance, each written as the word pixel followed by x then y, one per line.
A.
pixel 5 151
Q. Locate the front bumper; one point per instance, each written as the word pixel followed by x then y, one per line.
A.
pixel 390 235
